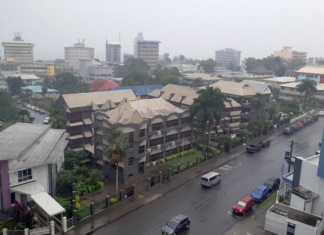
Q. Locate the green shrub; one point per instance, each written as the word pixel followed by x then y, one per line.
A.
pixel 20 226
pixel 148 165
pixel 168 158
pixel 77 198
pixel 100 185
pixel 113 201
pixel 175 170
pixel 183 167
pixel 77 206
pixel 89 189
pixel 242 126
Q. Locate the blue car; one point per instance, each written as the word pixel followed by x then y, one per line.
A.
pixel 295 127
pixel 260 193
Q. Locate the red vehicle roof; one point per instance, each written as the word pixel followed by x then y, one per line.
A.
pixel 245 198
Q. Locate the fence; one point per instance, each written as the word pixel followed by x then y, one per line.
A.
pixel 155 180
pixel 129 192
pixel 70 223
pixel 84 212
pixel 15 232
pixel 100 205
pixel 165 176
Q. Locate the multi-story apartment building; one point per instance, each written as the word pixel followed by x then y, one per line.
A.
pixel 314 72
pixel 155 129
pixel 37 68
pixel 118 69
pixel 90 70
pixel 314 60
pixel 289 55
pixel 79 110
pixel 113 52
pixel 289 91
pixel 147 50
pixel 72 55
pixel 227 57
pixel 18 49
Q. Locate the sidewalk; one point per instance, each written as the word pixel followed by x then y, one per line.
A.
pixel 144 197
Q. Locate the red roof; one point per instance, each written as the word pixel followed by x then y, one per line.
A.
pixel 245 198
pixel 101 84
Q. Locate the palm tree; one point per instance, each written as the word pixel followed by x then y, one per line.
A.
pixel 308 86
pixel 44 91
pixel 58 119
pixel 208 108
pixel 257 101
pixel 117 149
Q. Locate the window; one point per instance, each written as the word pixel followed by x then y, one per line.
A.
pixel 186 147
pixel 171 123
pixel 157 126
pixel 185 120
pixel 76 130
pixel 120 169
pixel 171 152
pixel 228 109
pixel 235 120
pixel 156 141
pixel 13 197
pixel 309 76
pixel 24 175
pixel 141 133
pixel 236 108
pixel 141 149
pixel 131 139
pixel 228 121
pixel 155 157
pixel 109 131
pixel 130 161
pixel 74 117
pixel 292 89
pixel 170 138
pixel 73 144
pixel 185 134
pixel 130 175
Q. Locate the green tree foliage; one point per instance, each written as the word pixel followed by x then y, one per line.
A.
pixel 308 86
pixel 117 149
pixel 44 91
pixel 295 64
pixel 136 65
pixel 78 157
pixel 160 75
pixel 67 83
pixel 270 63
pixel 313 101
pixel 95 176
pixel 66 203
pixel 14 84
pixel 198 82
pixel 64 182
pixel 22 114
pixel 257 101
pixel 170 80
pixel 138 79
pixel 207 65
pixel 7 111
pixel 58 119
pixel 275 92
pixel 274 109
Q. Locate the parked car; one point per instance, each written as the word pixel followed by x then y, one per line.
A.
pixel 272 183
pixel 253 148
pixel 41 111
pixel 32 107
pixel 176 225
pixel 210 179
pixel 288 131
pixel 315 117
pixel 310 119
pixel 301 125
pixel 29 106
pixel 295 127
pixel 264 143
pixel 36 109
pixel 32 117
pixel 18 102
pixel 305 122
pixel 321 113
pixel 46 120
pixel 260 193
pixel 244 205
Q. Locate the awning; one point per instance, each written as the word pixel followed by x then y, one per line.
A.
pixel 143 143
pixel 74 124
pixel 227 118
pixel 172 117
pixel 157 120
pixel 105 158
pixel 99 132
pixel 235 124
pixel 235 113
pixel 143 159
pixel 126 129
pixel 29 188
pixel 185 143
pixel 156 136
pixel 87 121
pixel 99 147
pixel 171 147
pixel 171 132
pixel 89 148
pixel 74 137
pixel 100 162
pixel 187 128
pixel 220 130
pixel 155 151
pixel 144 126
pixel 87 134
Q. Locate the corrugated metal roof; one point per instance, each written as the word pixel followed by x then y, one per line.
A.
pixel 37 89
pixel 138 90
pixel 235 88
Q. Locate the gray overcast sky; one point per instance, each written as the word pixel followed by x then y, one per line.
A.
pixel 189 27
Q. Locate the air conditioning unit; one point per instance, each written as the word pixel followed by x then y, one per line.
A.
pixel 148 150
pixel 158 146
pixel 158 132
pixel 218 126
pixel 154 163
pixel 173 143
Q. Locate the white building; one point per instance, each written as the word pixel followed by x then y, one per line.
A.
pixel 90 70
pixel 277 81
pixel 113 50
pixel 28 79
pixel 73 55
pixel 18 49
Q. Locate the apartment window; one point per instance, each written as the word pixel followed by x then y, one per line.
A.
pixel 170 138
pixel 109 131
pixel 309 76
pixel 156 141
pixel 155 157
pixel 185 134
pixel 73 144
pixel 171 152
pixel 185 120
pixel 186 147
pixel 235 120
pixel 120 169
pixel 24 175
pixel 141 149
pixel 157 126
pixel 228 121
pixel 282 88
pixel 141 133
pixel 76 130
pixel 292 89
pixel 130 161
pixel 131 139
pixel 74 117
pixel 236 109
pixel 228 109
pixel 172 123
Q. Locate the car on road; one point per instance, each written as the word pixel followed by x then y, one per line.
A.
pixel 264 143
pixel 41 111
pixel 272 183
pixel 32 107
pixel 176 225
pixel 245 204
pixel 46 120
pixel 210 179
pixel 18 102
pixel 295 127
pixel 32 117
pixel 315 117
pixel 288 131
pixel 260 193
pixel 253 148
pixel 320 143
pixel 301 125
pixel 304 122
pixel 321 113
pixel 36 109
pixel 29 106
pixel 310 119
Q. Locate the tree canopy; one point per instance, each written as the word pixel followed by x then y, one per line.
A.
pixel 171 79
pixel 7 111
pixel 308 86
pixel 164 72
pixel 136 65
pixel 14 84
pixel 67 83
pixel 208 65
pixel 198 82
pixel 138 79
pixel 270 63
pixel 58 119
pixel 257 101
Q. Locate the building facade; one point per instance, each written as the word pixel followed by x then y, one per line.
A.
pixel 72 55
pixel 314 60
pixel 147 50
pixel 314 72
pixel 228 56
pixel 113 50
pixel 37 68
pixel 289 55
pixel 18 49
pixel 155 129
pixel 90 70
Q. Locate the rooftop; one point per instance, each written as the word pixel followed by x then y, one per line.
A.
pixel 36 89
pixel 281 79
pixel 261 69
pixel 312 69
pixel 138 90
pixel 25 76
pixel 148 41
pixel 113 41
pixel 319 87
pixel 235 88
pixel 261 87
pixel 204 76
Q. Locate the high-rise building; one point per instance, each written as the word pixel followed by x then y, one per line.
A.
pixel 147 50
pixel 18 49
pixel 72 55
pixel 113 50
pixel 291 55
pixel 227 57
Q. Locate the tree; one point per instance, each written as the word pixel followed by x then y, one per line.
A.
pixel 117 149
pixel 95 176
pixel 7 110
pixel 64 182
pixel 14 84
pixel 170 80
pixel 164 72
pixel 198 82
pixel 274 109
pixel 313 101
pixel 136 65
pixel 44 91
pixel 275 92
pixel 67 83
pixel 207 65
pixel 308 86
pixel 58 119
pixel 138 79
pixel 66 204
pixel 78 158
pixel 208 108
pixel 22 114
pixel 257 101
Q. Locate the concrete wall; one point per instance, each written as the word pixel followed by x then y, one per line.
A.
pixel 303 77
pixel 5 181
pixel 84 69
pixel 297 202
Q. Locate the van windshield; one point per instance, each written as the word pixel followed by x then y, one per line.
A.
pixel 204 179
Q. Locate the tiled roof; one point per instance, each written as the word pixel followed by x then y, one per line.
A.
pixel 235 88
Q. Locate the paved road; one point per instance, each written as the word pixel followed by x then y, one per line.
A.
pixel 210 209
pixel 39 118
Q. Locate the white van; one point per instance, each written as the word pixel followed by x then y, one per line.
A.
pixel 210 179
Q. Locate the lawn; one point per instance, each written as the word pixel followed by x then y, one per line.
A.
pixel 270 200
pixel 191 157
pixel 84 211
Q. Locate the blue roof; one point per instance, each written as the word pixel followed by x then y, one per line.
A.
pixel 138 90
pixel 258 86
pixel 36 89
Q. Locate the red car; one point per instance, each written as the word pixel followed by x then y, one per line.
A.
pixel 301 125
pixel 243 205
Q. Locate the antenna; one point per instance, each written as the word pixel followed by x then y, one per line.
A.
pixel 119 37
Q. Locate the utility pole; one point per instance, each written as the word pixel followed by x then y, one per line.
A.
pixel 290 155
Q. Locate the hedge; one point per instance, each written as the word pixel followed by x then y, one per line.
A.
pixel 185 153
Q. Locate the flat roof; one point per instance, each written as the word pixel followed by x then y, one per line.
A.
pixel 313 69
pixel 281 79
pixel 37 89
pixel 235 88
pixel 148 41
pixel 319 87
pixel 25 76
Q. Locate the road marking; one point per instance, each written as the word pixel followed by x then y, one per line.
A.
pixel 238 217
pixel 230 212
